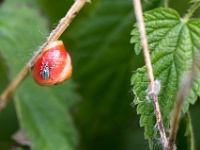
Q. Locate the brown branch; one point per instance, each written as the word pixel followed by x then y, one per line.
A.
pixel 54 35
pixel 140 21
pixel 182 94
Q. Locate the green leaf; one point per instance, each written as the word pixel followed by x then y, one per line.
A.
pixel 44 112
pixel 173 44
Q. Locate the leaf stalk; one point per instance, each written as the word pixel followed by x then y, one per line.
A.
pixel 191 10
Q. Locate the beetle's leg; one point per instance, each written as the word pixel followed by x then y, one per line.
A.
pixel 51 67
pixel 41 67
pixel 43 61
pixel 51 76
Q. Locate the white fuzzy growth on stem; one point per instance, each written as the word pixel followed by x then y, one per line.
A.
pixel 156 90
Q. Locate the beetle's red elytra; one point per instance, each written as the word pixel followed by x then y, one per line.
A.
pixel 53 66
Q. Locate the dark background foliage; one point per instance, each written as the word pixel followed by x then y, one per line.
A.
pixel 103 61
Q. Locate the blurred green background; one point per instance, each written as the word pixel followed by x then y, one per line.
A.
pixel 95 105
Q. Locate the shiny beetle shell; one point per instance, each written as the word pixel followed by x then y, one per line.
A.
pixel 53 66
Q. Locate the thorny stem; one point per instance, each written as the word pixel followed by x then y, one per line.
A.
pixel 191 11
pixel 54 35
pixel 182 94
pixel 140 21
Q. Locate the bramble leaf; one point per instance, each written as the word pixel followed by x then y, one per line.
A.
pixel 173 44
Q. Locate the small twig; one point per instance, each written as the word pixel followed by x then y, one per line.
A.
pixel 54 35
pixel 140 21
pixel 182 94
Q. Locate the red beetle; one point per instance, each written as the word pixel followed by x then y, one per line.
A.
pixel 53 66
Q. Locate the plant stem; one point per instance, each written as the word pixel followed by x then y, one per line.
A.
pixel 140 21
pixel 166 3
pixel 190 131
pixel 151 144
pixel 54 35
pixel 191 11
pixel 182 94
